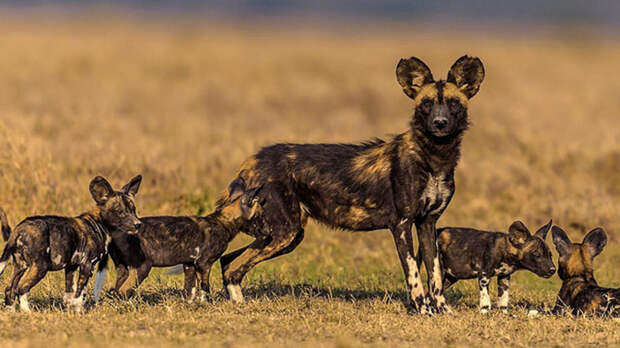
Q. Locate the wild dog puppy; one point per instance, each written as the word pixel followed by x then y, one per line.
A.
pixel 40 244
pixel 468 253
pixel 196 242
pixel 580 293
pixel 405 181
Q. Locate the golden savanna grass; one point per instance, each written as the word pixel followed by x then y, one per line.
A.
pixel 185 104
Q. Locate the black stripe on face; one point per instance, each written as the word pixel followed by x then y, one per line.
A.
pixel 440 85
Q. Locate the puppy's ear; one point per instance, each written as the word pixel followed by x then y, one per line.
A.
pixel 518 234
pixel 561 241
pixel 595 241
pixel 542 232
pixel 132 186
pixel 236 189
pixel 100 189
pixel 412 74
pixel 467 74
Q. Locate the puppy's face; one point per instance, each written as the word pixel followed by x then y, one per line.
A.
pixel 575 259
pixel 117 208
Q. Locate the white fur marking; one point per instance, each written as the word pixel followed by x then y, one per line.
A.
pixel 435 190
pixel 414 278
pixel 57 259
pixel 234 292
pixel 3 266
pixel 485 300
pixel 24 306
pixel 504 269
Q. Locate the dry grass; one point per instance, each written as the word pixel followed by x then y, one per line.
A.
pixel 184 105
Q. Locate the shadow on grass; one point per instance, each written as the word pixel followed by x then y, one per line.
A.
pixel 271 289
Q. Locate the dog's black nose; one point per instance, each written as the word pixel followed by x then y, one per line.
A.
pixel 552 270
pixel 440 123
pixel 138 225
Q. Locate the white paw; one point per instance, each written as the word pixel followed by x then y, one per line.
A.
pixel 235 294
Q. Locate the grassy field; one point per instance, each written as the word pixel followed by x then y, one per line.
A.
pixel 185 104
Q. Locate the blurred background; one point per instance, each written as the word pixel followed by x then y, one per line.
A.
pixel 184 91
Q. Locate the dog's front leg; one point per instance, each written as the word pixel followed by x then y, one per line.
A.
pixel 503 290
pixel 404 245
pixel 85 272
pixel 427 236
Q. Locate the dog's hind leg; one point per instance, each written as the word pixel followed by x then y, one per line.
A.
pixel 228 258
pixel 19 268
pixel 33 275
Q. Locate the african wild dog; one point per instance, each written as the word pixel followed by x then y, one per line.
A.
pixel 50 243
pixel 196 242
pixel 393 184
pixel 580 293
pixel 468 253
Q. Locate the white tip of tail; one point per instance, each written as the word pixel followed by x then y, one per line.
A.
pixel 99 281
pixel 3 266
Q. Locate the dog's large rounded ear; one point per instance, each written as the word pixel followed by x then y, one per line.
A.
pixel 236 189
pixel 132 186
pixel 412 74
pixel 561 241
pixel 595 241
pixel 518 233
pixel 542 232
pixel 100 189
pixel 467 74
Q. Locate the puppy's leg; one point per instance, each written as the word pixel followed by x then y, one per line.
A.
pixel 485 299
pixel 19 269
pixel 70 284
pixel 204 272
pixel 86 271
pixel 190 286
pixel 33 275
pixel 503 289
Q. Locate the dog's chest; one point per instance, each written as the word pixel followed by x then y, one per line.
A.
pixel 435 195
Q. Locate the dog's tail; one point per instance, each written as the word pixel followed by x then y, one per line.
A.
pixel 102 272
pixel 6 229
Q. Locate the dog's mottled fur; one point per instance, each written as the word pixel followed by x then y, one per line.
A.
pixel 40 244
pixel 404 181
pixel 195 242
pixel 468 253
pixel 580 293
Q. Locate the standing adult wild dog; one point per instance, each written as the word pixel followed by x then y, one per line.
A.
pixel 393 184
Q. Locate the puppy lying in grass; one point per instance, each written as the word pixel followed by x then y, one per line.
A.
pixel 40 244
pixel 468 253
pixel 580 293
pixel 195 242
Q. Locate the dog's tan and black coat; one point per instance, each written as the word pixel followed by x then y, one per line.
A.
pixel 195 242
pixel 580 293
pixel 404 181
pixel 468 253
pixel 40 244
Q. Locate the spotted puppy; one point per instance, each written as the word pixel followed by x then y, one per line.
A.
pixel 468 253
pixel 580 293
pixel 196 242
pixel 40 244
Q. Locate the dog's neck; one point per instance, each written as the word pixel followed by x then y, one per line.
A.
pixel 439 154
pixel 93 220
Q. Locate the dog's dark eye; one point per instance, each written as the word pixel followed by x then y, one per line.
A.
pixel 427 104
pixel 454 104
